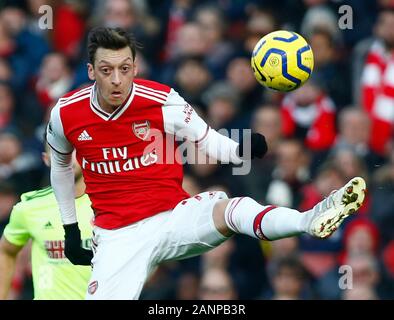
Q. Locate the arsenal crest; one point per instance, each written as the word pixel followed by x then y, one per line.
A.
pixel 93 287
pixel 141 130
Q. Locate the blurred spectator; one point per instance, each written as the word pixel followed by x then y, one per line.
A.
pixel 187 287
pixel 218 49
pixel 143 67
pixel 289 280
pixel 7 43
pixel 7 106
pixel 8 197
pixel 207 171
pixel 192 78
pixel 54 80
pixel 69 24
pixel 309 114
pixel 362 38
pixel 160 285
pixel 222 106
pixel 216 284
pixel 120 13
pixel 259 24
pixel 5 70
pixel 174 16
pixel 365 270
pixel 11 149
pixel 320 16
pixel 388 260
pixel 241 78
pixel 32 8
pixel 188 43
pixel 23 49
pixel 201 167
pixel 242 258
pixel 360 292
pixel 282 248
pixel 265 120
pixel 328 66
pixel 360 236
pixel 289 175
pixel 133 16
pixel 15 164
pixel 364 12
pixel 191 41
pixel 329 178
pixel 377 87
pixel 354 126
pixel 350 164
pixel 218 257
pixel 382 202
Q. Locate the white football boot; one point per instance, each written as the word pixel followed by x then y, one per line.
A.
pixel 329 213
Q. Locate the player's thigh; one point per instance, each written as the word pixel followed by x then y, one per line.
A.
pixel 190 229
pixel 121 264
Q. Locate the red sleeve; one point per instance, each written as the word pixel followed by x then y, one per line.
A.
pixel 288 124
pixel 368 90
pixel 367 98
pixel 68 30
pixel 381 135
pixel 322 133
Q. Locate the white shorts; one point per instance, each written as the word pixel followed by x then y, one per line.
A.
pixel 124 258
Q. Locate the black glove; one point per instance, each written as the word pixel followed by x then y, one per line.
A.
pixel 258 147
pixel 72 246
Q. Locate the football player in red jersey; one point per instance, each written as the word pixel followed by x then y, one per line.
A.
pixel 142 215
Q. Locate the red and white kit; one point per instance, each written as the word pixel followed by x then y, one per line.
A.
pixel 130 179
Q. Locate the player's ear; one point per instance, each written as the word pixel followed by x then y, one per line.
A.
pixel 45 158
pixel 135 68
pixel 91 72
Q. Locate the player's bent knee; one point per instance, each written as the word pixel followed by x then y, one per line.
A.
pixel 219 219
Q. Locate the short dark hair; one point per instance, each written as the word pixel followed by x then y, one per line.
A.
pixel 293 263
pixel 109 38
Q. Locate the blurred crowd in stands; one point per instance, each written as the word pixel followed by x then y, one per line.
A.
pixel 337 126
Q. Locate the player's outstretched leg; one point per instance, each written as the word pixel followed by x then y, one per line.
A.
pixel 244 215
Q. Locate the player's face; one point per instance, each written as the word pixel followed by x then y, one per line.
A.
pixel 113 71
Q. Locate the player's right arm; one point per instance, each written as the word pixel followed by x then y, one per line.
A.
pixel 62 181
pixel 8 255
pixel 62 174
pixel 15 236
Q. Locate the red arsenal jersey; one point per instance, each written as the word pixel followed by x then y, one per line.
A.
pixel 128 157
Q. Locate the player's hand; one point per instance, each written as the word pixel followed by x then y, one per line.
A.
pixel 72 246
pixel 258 147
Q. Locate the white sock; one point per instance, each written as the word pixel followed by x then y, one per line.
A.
pixel 245 215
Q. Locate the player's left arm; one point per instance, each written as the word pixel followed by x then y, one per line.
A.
pixel 183 121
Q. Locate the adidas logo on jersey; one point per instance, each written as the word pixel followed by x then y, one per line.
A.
pixel 84 136
pixel 48 225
